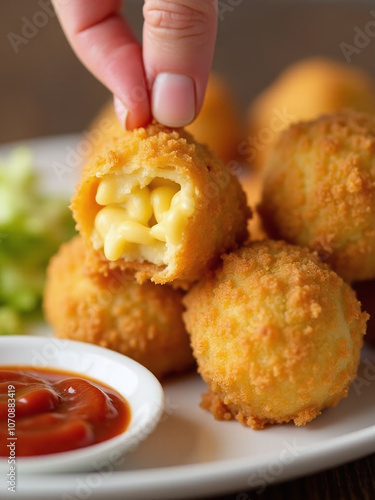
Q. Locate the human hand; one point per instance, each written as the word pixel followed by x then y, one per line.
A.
pixel 167 77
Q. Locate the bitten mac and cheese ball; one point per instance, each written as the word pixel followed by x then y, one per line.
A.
pixel 156 203
pixel 319 191
pixel 304 91
pixel 276 334
pixel 143 322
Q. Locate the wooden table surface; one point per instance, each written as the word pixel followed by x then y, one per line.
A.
pixel 45 91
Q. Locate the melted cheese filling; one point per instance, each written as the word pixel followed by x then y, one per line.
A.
pixel 141 223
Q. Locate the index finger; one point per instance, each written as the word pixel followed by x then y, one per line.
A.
pixel 104 42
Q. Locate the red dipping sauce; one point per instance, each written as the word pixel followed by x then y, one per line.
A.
pixel 56 411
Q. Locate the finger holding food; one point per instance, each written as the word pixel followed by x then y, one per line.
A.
pixel 218 124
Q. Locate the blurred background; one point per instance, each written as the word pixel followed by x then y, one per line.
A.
pixel 44 90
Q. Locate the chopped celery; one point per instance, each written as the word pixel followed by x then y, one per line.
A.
pixel 32 227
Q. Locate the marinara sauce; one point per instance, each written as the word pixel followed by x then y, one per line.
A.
pixel 57 411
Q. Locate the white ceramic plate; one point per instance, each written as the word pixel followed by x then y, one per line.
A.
pixel 190 454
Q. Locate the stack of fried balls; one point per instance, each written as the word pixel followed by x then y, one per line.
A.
pixel 164 269
pixel 153 208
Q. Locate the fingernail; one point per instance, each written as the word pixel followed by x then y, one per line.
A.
pixel 121 111
pixel 173 99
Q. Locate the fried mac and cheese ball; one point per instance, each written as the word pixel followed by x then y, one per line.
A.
pixel 143 322
pixel 319 191
pixel 157 203
pixel 276 334
pixel 305 90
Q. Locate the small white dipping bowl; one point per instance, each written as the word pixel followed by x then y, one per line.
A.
pixel 135 383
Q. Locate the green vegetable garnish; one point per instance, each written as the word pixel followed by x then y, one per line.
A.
pixel 32 227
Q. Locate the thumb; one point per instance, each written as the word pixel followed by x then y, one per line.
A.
pixel 178 45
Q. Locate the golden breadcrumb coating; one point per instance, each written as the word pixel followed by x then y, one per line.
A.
pixel 305 90
pixel 252 184
pixel 319 191
pixel 212 212
pixel 218 124
pixel 365 291
pixel 276 333
pixel 143 322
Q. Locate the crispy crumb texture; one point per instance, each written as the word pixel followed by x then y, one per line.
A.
pixel 319 191
pixel 143 322
pixel 276 334
pixel 218 125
